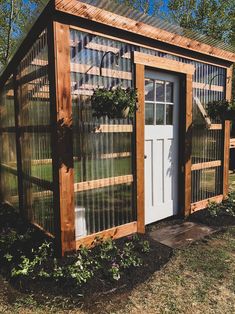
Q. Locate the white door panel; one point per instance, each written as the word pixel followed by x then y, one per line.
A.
pixel 161 145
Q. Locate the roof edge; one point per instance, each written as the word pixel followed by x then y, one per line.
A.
pixel 102 16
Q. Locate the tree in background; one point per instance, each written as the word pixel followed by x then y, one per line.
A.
pixel 13 16
pixel 153 7
pixel 214 18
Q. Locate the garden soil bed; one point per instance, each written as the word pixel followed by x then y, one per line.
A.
pixel 98 288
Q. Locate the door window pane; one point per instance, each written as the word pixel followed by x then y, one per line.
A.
pixel 149 90
pixel 149 114
pixel 169 114
pixel 160 114
pixel 160 91
pixel 169 91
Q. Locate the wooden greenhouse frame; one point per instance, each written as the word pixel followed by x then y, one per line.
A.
pixel 58 19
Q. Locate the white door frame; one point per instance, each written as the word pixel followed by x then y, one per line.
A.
pixel 142 60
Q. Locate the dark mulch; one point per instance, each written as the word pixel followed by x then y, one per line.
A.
pixel 90 293
pixel 204 217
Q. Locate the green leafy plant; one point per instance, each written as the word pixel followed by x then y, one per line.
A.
pixel 222 109
pixel 114 103
pixel 34 267
pixel 226 208
pixel 27 260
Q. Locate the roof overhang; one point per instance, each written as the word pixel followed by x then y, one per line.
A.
pixel 92 13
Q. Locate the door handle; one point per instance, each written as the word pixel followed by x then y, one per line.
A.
pixel 145 156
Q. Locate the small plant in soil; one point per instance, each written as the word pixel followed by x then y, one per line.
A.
pixel 114 103
pixel 226 208
pixel 24 260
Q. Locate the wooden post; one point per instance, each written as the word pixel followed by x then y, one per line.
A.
pixel 226 128
pixel 188 143
pixel 18 147
pixel 61 119
pixel 139 81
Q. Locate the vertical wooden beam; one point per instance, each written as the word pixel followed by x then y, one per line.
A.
pixel 18 146
pixel 61 103
pixel 188 143
pixel 226 128
pixel 139 84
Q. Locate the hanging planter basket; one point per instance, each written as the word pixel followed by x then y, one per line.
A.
pixel 222 109
pixel 116 103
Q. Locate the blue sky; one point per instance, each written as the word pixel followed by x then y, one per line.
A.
pixel 164 8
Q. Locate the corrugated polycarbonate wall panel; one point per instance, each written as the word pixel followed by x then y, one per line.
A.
pixel 8 170
pixel 103 148
pixel 98 207
pixel 207 143
pixel 34 103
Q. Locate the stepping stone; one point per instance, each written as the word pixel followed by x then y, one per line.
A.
pixel 180 235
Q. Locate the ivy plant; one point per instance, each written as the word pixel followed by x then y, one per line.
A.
pixel 114 103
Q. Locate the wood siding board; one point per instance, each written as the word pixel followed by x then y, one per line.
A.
pixel 64 113
pixel 204 204
pixel 163 63
pixel 227 135
pixel 226 158
pixel 217 126
pixel 89 12
pixel 188 143
pixel 139 84
pixel 61 110
pixel 206 165
pixel 114 233
pixel 101 183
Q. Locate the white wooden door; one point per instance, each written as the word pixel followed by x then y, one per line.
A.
pixel 161 145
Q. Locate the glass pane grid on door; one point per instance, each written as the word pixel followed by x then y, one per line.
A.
pixel 159 102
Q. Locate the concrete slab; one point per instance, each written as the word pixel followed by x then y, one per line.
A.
pixel 179 235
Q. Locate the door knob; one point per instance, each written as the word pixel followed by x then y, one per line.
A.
pixel 145 156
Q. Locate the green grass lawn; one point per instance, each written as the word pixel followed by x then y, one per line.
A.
pixel 94 169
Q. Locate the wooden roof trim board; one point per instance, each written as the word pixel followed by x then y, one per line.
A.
pixel 90 12
pixel 171 65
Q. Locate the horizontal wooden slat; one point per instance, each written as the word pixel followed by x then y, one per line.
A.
pixel 102 156
pixel 115 155
pixel 216 126
pixel 114 233
pixel 232 143
pixel 114 128
pixel 101 183
pixel 93 70
pixel 204 204
pixel 208 87
pixel 99 47
pixel 206 165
